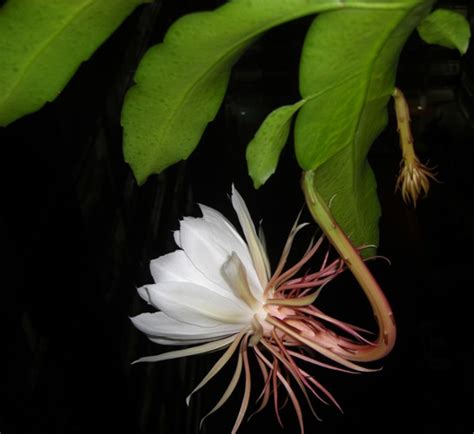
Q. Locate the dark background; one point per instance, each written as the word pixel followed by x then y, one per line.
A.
pixel 77 235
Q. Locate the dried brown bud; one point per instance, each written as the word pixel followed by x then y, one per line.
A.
pixel 414 179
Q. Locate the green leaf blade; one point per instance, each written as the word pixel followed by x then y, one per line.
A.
pixel 349 61
pixel 42 43
pixel 447 28
pixel 180 84
pixel 165 113
pixel 263 152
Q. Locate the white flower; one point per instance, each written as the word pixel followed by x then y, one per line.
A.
pixel 212 287
pixel 217 292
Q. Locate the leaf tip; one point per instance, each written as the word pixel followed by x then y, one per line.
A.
pixel 256 183
pixel 447 28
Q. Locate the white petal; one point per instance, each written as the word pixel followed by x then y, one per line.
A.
pixel 234 273
pixel 178 342
pixel 177 267
pixel 194 304
pixel 143 293
pixel 257 251
pixel 208 246
pixel 210 215
pixel 159 325
pixel 177 238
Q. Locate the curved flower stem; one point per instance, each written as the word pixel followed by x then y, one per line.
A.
pixel 382 310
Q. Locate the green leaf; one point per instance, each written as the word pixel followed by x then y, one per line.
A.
pixel 264 150
pixel 447 28
pixel 42 43
pixel 349 59
pixel 180 83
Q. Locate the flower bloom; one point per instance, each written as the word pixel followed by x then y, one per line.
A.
pixel 216 292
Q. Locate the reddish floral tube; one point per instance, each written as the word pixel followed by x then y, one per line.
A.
pixel 381 308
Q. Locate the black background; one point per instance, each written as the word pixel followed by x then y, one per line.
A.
pixel 77 235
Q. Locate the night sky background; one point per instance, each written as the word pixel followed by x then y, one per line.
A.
pixel 77 235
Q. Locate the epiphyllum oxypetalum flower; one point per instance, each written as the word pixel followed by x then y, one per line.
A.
pixel 217 292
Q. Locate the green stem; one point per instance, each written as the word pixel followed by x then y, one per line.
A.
pixel 382 310
pixel 402 112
